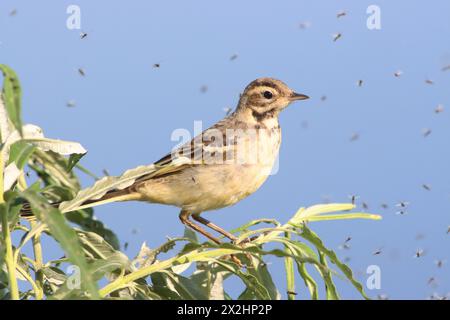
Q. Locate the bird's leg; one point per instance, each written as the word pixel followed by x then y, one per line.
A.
pixel 184 217
pixel 230 236
pixel 225 233
pixel 211 225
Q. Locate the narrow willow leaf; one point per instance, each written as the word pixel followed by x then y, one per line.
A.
pixel 5 128
pixel 74 159
pixel 52 169
pixel 54 275
pixel 20 152
pixel 252 223
pixel 86 171
pixel 180 268
pixel 321 209
pixel 330 288
pixel 216 291
pixel 86 220
pixel 210 277
pixel 344 216
pixel 12 94
pixel 309 281
pixel 33 135
pixel 317 242
pixel 260 271
pixel 161 287
pixel 191 235
pixel 148 256
pixel 56 193
pixel 61 147
pixel 101 267
pixel 97 247
pixel 145 257
pixel 254 289
pixel 66 237
pixel 29 131
pixel 187 289
pixel 11 174
pixel 296 250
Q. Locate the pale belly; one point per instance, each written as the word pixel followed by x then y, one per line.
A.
pixel 205 188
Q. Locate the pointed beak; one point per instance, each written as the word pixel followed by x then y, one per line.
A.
pixel 298 96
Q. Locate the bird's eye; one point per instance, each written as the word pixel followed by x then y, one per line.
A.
pixel 267 94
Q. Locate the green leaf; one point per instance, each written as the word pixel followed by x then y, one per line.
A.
pixel 300 250
pixel 12 95
pixel 61 147
pixel 101 267
pixel 54 275
pixel 254 288
pixel 330 288
pixel 191 235
pixel 186 288
pixel 344 216
pixel 66 237
pixel 74 159
pixel 161 288
pixel 252 223
pixel 317 242
pixel 85 219
pixel 261 272
pixel 52 170
pixel 20 152
pixel 309 281
pixel 97 247
pixel 13 206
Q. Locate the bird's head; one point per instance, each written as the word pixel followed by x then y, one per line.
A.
pixel 266 97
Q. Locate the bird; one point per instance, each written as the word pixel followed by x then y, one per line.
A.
pixel 227 162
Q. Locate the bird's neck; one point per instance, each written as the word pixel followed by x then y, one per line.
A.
pixel 248 115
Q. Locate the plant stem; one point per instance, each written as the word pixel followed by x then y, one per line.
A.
pixel 9 259
pixel 13 288
pixel 290 275
pixel 30 280
pixel 39 276
pixel 37 251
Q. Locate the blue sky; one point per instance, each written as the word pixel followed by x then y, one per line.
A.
pixel 126 111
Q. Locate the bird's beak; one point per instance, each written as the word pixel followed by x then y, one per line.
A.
pixel 298 96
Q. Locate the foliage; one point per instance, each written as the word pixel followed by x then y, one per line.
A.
pixel 91 253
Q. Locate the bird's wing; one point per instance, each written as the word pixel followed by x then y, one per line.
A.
pixel 196 150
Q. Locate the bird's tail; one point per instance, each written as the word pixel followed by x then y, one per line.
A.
pixel 111 196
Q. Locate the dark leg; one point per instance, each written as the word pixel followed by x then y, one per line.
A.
pixel 184 217
pixel 211 225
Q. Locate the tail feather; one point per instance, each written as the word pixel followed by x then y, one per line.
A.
pixel 111 196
